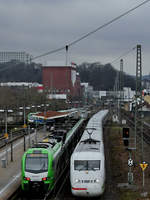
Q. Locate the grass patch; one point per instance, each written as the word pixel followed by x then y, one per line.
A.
pixel 119 166
pixel 129 195
pixel 147 119
pixel 117 154
pixel 118 160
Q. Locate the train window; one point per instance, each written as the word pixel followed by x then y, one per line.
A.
pixel 94 165
pixel 87 165
pixel 80 165
pixel 36 163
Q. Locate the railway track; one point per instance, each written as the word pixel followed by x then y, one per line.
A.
pixel 18 195
pixel 62 190
pixel 15 135
pixel 11 138
pixel 64 193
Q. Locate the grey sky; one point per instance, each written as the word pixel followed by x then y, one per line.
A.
pixel 38 26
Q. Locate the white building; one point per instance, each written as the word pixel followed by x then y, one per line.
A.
pixel 128 94
pixel 20 84
pixel 99 94
pixel 8 56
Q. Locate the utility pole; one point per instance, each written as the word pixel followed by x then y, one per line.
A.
pixel 138 96
pixel 121 95
pixel 66 55
pixel 51 84
pixel 11 148
pixel 6 110
pixel 116 89
pixel 45 96
pixel 139 115
pixel 6 135
pixel 121 80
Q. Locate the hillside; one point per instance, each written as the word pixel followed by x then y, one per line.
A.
pixel 12 72
pixel 101 77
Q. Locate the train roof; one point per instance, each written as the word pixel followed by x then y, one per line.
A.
pixel 36 150
pixel 89 145
pixel 92 138
pixel 96 134
pixel 52 146
pixel 44 147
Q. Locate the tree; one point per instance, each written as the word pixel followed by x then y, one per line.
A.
pixel 102 77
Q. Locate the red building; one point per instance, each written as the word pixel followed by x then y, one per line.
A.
pixel 61 80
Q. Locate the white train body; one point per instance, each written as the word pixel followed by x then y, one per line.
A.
pixel 87 165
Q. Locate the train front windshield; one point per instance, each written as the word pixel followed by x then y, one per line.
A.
pixel 81 165
pixel 36 163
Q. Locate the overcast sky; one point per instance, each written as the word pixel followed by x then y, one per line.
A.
pixel 38 26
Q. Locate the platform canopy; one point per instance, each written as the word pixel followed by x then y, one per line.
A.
pixel 53 114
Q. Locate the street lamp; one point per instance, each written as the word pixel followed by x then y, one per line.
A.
pixel 2 111
pixel 38 107
pixel 6 111
pixel 24 126
pixel 24 116
pixel 34 107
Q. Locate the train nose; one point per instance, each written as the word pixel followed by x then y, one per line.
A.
pixel 35 185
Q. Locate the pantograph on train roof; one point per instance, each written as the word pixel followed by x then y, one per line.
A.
pixel 94 145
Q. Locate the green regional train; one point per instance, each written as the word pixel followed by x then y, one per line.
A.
pixel 43 164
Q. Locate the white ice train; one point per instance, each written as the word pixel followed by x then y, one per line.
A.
pixel 87 165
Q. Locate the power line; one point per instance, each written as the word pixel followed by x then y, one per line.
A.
pixel 50 52
pixel 123 55
pixel 92 32
pixel 106 24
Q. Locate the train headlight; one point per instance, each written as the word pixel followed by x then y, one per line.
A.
pixel 97 180
pixel 77 180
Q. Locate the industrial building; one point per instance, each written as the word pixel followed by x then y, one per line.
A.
pixel 61 81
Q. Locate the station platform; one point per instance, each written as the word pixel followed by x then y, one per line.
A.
pixel 10 171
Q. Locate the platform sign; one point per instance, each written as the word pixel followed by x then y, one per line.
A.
pixel 24 126
pixel 143 166
pixel 46 140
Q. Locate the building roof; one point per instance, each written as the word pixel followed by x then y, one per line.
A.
pixel 52 114
pixel 54 63
pixel 60 66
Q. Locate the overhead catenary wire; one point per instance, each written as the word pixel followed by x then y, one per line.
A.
pixel 92 32
pixel 123 55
